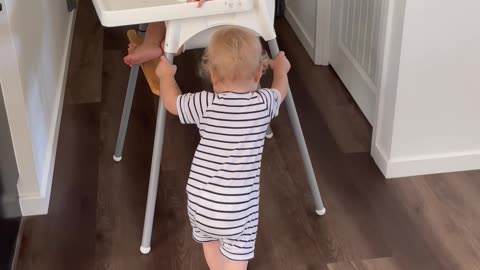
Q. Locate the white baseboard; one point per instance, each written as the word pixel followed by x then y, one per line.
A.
pixel 380 158
pixel 34 205
pixel 306 41
pixel 428 164
pixel 37 204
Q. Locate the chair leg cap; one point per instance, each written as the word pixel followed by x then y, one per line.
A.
pixel 145 250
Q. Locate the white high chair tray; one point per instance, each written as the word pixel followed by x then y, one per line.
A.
pixel 128 12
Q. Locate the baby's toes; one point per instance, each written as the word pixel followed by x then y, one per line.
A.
pixel 128 60
pixel 132 46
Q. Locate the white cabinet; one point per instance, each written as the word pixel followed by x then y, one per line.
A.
pixel 345 34
pixel 412 68
pixel 355 50
pixel 428 113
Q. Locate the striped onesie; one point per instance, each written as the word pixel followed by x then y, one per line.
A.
pixel 223 186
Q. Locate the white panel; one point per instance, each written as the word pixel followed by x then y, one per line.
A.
pixel 356 28
pixel 351 23
pixel 367 49
pixel 360 32
pixel 347 52
pixel 344 31
pixel 375 35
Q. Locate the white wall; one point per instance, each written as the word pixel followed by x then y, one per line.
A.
pixel 434 109
pixel 40 32
pixel 302 16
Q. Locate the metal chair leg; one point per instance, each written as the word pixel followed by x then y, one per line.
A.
pixel 292 113
pixel 154 174
pixel 127 106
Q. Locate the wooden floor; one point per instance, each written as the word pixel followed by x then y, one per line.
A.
pixel 97 206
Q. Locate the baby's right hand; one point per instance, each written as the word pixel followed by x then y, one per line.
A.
pixel 280 64
pixel 165 69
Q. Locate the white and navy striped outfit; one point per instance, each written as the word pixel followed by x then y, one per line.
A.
pixel 223 186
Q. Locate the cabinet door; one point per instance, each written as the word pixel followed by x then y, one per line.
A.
pixel 354 49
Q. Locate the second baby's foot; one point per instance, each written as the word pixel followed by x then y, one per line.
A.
pixel 141 54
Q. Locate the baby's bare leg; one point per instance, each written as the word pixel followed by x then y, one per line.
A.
pixel 151 47
pixel 234 265
pixel 213 256
pixel 155 33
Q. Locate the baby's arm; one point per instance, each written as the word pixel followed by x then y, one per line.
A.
pixel 169 90
pixel 280 67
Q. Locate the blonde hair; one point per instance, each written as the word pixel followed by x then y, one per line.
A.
pixel 234 54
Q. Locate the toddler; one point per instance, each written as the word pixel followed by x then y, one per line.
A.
pixel 223 185
pixel 152 46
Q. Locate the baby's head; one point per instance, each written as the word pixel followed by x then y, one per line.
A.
pixel 234 58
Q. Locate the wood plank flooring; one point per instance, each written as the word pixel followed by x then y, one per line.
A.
pixel 97 207
pixel 85 71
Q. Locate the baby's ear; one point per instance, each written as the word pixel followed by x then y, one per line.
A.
pixel 259 73
pixel 213 77
pixel 265 61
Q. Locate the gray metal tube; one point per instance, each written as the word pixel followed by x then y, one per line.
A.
pixel 154 173
pixel 127 106
pixel 292 113
pixel 141 29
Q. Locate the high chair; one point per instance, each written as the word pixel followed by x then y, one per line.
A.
pixel 192 28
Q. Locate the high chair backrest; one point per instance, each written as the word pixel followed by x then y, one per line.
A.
pixel 196 32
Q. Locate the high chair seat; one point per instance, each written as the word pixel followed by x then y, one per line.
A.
pixel 147 67
pixel 128 12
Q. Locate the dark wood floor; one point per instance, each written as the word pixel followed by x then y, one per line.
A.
pixel 97 205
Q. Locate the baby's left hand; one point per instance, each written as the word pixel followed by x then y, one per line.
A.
pixel 165 69
pixel 200 2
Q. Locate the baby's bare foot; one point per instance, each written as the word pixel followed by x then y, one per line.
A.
pixel 180 51
pixel 141 54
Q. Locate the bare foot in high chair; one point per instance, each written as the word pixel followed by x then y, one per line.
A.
pixel 143 53
pixel 180 51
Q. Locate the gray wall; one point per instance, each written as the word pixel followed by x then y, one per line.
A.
pixel 9 206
